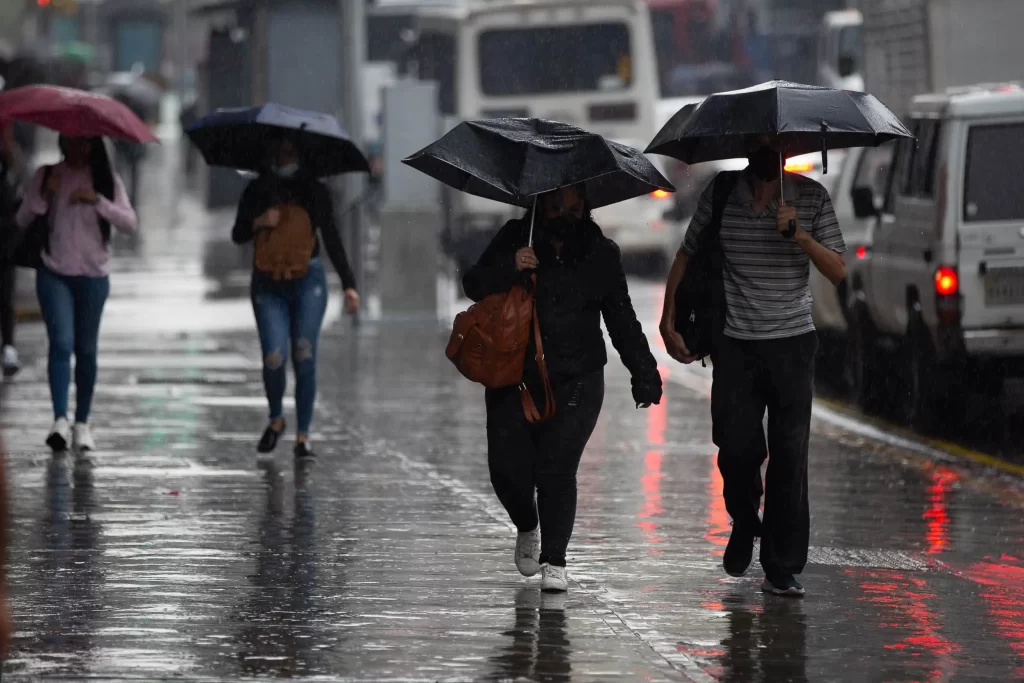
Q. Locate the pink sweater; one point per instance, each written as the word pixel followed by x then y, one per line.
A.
pixel 76 243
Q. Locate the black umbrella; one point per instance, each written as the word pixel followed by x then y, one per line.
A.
pixel 806 118
pixel 513 160
pixel 237 138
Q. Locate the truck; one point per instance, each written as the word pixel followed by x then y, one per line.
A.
pixel 919 46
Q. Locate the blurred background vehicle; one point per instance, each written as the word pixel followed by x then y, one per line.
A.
pixel 943 290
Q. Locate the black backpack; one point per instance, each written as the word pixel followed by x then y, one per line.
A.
pixel 700 297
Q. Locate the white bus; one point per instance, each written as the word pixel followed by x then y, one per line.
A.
pixel 589 63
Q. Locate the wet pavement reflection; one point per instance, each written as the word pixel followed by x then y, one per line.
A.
pixel 174 552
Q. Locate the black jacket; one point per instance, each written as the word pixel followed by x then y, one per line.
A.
pixel 573 292
pixel 310 193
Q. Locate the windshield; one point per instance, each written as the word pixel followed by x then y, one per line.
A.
pixel 995 164
pixel 851 47
pixel 536 61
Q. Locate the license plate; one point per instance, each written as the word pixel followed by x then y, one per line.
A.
pixel 1004 289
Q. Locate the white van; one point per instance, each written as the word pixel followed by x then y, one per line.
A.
pixel 589 63
pixel 941 300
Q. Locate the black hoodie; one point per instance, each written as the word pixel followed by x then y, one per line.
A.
pixel 573 292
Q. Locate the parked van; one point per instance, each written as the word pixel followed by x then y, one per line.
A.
pixel 848 170
pixel 940 303
pixel 589 63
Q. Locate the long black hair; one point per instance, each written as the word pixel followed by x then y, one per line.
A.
pixel 102 174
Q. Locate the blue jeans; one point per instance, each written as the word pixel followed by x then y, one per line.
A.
pixel 291 311
pixel 72 307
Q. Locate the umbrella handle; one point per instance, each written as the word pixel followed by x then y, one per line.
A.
pixel 533 217
pixel 791 230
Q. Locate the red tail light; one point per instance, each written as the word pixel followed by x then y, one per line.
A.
pixel 946 281
pixel 862 253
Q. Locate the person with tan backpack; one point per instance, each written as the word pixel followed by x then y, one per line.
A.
pixel 575 275
pixel 285 212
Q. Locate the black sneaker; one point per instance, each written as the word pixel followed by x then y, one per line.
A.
pixel 782 584
pixel 303 451
pixel 739 554
pixel 268 442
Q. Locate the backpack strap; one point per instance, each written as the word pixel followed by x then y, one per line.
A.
pixel 724 184
pixel 533 415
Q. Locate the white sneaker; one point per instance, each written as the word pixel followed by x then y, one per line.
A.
pixel 528 552
pixel 11 363
pixel 83 438
pixel 553 578
pixel 60 435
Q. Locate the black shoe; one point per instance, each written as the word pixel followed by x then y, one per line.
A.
pixel 739 554
pixel 782 583
pixel 268 442
pixel 304 451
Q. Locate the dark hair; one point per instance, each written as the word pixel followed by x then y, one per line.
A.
pixel 581 188
pixel 101 172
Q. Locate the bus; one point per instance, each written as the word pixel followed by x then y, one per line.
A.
pixel 589 63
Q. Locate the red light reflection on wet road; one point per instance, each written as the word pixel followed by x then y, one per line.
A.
pixel 937 514
pixel 650 480
pixel 1003 589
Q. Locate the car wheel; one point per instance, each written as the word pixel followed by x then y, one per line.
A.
pixel 862 364
pixel 931 397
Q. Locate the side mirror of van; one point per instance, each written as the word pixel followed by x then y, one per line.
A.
pixel 847 66
pixel 864 202
pixel 676 214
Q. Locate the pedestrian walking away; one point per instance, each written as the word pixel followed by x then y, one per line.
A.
pixel 764 356
pixel 12 168
pixel 283 211
pixel 579 278
pixel 82 200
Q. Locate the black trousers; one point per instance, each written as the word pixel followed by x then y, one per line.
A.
pixel 525 458
pixel 8 273
pixel 749 377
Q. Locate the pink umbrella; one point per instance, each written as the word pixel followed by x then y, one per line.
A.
pixel 73 112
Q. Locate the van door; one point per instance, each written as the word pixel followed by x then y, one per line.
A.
pixel 905 247
pixel 991 266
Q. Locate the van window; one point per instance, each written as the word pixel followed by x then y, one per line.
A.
pixel 919 174
pixel 556 59
pixel 995 166
pixel 873 170
pixel 434 55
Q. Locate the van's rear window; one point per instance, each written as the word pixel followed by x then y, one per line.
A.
pixel 994 189
pixel 555 59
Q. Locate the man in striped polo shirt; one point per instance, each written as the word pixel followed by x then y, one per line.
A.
pixel 765 359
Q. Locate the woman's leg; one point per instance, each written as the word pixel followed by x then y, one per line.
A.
pixel 272 322
pixel 308 309
pixel 511 454
pixel 8 283
pixel 57 306
pixel 559 451
pixel 90 295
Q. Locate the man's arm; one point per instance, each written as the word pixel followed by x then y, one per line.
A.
pixel 674 343
pixel 824 243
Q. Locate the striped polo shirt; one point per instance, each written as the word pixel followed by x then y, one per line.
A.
pixel 767 288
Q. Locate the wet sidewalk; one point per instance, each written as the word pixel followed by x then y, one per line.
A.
pixel 173 555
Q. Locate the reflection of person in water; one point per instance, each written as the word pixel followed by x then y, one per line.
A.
pixel 766 644
pixel 68 605
pixel 540 647
pixel 278 637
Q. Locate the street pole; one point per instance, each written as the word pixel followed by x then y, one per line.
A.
pixel 352 24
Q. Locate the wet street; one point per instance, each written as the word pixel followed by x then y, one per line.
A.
pixel 173 554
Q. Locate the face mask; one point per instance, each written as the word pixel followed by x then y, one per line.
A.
pixel 286 171
pixel 764 163
pixel 563 226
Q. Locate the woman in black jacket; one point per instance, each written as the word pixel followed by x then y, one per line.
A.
pixel 579 279
pixel 286 211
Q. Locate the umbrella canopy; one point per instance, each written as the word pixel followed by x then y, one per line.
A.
pixel 512 160
pixel 73 112
pixel 238 138
pixel 806 118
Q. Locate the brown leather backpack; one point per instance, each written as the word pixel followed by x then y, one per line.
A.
pixel 283 252
pixel 488 346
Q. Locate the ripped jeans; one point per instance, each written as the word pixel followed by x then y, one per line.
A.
pixel 290 311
